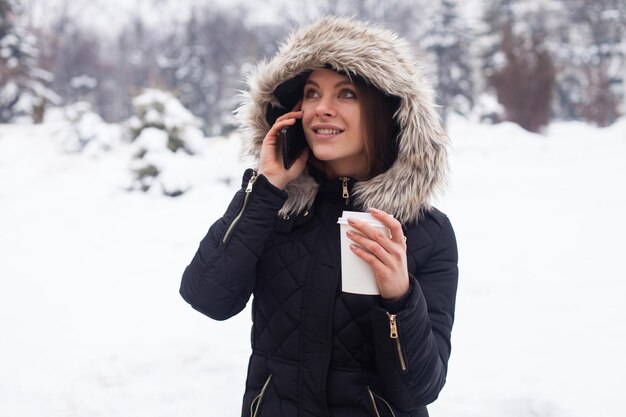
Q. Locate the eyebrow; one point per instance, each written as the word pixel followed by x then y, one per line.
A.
pixel 339 84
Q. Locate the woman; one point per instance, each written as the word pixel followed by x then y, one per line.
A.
pixel 375 145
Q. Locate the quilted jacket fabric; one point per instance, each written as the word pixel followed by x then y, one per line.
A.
pixel 317 351
pixel 327 353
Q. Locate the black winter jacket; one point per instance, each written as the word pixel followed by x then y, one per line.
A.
pixel 317 351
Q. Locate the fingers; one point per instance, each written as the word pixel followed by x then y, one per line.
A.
pixel 394 226
pixel 368 249
pixel 282 122
pixel 294 114
pixel 373 261
pixel 392 241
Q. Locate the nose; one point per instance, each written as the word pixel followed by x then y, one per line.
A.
pixel 325 107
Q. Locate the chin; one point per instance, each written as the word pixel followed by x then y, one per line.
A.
pixel 321 154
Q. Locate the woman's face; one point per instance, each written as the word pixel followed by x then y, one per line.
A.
pixel 332 123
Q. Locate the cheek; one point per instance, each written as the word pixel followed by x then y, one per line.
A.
pixel 308 110
pixel 307 117
pixel 355 119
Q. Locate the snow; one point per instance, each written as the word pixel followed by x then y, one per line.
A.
pixel 539 305
pixel 92 323
pixel 152 139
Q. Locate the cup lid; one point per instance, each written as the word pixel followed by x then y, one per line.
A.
pixel 367 217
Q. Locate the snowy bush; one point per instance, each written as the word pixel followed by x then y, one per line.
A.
pixel 23 91
pixel 86 132
pixel 161 110
pixel 164 136
pixel 487 110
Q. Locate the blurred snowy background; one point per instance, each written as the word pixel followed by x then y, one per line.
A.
pixel 118 149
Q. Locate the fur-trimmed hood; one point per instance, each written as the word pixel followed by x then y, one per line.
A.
pixel 386 62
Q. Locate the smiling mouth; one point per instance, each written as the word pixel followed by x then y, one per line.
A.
pixel 326 131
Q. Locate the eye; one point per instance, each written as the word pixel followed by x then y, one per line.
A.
pixel 311 93
pixel 347 94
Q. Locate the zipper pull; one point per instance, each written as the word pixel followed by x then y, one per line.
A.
pixel 393 326
pixel 346 194
pixel 393 334
pixel 251 182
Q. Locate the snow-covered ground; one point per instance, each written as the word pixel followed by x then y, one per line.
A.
pixel 92 324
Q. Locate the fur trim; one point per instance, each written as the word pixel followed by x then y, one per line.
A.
pixel 386 61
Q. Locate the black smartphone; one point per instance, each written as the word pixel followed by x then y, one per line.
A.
pixel 293 143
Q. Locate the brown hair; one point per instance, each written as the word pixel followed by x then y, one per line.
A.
pixel 379 127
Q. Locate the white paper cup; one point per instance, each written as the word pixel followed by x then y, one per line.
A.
pixel 357 276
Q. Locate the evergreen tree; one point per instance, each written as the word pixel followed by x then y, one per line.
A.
pixel 498 15
pixel 597 34
pixel 449 41
pixel 73 55
pixel 207 65
pixel 195 74
pixel 23 91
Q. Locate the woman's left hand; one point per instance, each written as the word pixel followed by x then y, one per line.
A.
pixel 385 254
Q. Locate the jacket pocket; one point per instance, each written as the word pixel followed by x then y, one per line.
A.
pixel 380 406
pixel 394 334
pixel 255 405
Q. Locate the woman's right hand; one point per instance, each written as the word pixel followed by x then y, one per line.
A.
pixel 270 162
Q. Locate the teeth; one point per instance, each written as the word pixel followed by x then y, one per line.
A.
pixel 328 131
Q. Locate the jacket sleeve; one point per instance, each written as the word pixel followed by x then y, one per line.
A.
pixel 413 365
pixel 221 276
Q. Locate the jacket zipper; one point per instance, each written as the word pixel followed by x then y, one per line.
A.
pixel 373 397
pixel 344 183
pixel 393 334
pixel 235 220
pixel 256 402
